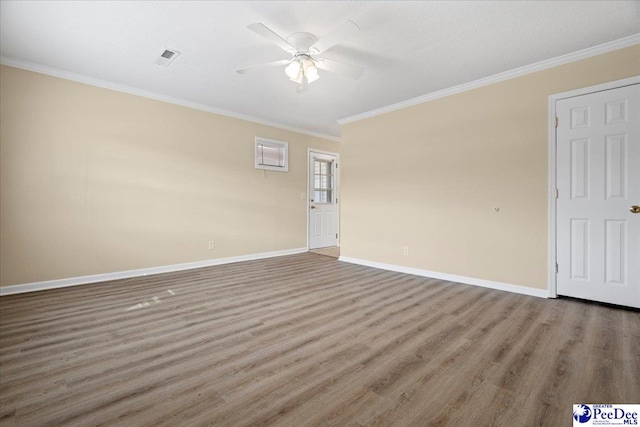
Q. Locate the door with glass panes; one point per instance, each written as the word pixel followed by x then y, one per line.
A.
pixel 323 200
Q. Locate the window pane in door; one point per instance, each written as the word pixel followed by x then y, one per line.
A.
pixel 323 181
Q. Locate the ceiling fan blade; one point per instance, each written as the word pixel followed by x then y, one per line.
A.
pixel 265 32
pixel 335 36
pixel 341 68
pixel 268 64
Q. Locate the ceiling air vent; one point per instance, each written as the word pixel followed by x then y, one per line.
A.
pixel 167 57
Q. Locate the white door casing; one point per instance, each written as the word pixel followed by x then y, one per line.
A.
pixel 598 182
pixel 323 200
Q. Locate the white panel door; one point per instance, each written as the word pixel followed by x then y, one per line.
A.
pixel 598 177
pixel 323 200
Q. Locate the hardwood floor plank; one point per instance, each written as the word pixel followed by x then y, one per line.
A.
pixel 307 340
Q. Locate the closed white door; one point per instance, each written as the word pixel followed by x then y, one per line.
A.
pixel 323 200
pixel 598 177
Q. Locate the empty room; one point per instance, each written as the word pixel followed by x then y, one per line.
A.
pixel 344 213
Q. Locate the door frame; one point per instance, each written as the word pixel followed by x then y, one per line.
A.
pixel 337 184
pixel 552 217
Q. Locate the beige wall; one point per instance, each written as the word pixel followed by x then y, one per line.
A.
pixel 429 177
pixel 96 181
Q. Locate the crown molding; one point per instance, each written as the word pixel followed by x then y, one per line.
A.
pixel 517 72
pixel 80 78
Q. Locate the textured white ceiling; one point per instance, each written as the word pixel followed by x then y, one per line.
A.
pixel 408 49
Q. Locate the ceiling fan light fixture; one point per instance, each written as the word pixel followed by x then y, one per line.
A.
pixel 302 68
pixel 310 70
pixel 298 77
pixel 293 69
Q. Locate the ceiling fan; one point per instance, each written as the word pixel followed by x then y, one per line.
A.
pixel 303 67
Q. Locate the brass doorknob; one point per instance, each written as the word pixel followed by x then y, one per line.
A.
pixel 313 207
pixel 634 209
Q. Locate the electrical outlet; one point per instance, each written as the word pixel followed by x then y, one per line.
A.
pixel 405 250
pixel 303 196
pixel 212 245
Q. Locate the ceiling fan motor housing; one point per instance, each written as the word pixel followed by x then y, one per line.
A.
pixel 302 41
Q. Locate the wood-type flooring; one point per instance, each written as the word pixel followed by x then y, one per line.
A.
pixel 307 340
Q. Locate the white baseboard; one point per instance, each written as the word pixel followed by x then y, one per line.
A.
pixel 540 293
pixel 83 280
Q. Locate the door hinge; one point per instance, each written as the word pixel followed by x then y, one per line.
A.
pixel 556 267
pixel 336 166
pixel 556 193
pixel 336 235
pixel 556 122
